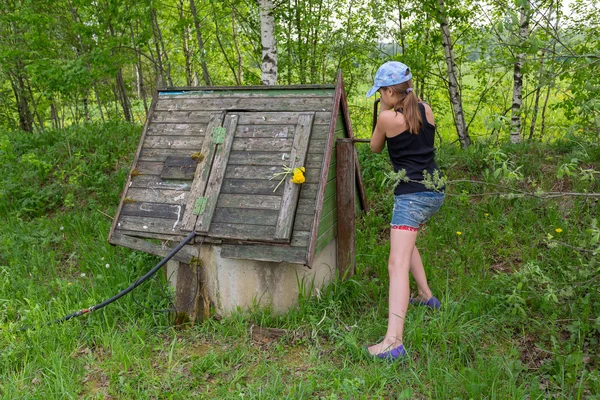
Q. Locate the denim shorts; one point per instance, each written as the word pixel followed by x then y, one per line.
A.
pixel 412 210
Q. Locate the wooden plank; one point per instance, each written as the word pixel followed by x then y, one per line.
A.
pixel 174 142
pixel 325 238
pixel 346 221
pixel 162 154
pixel 270 158
pixel 217 174
pixel 202 172
pixel 273 89
pixel 244 201
pixel 181 117
pixel 148 224
pixel 263 144
pixel 296 255
pixel 306 206
pixel 327 221
pixel 241 231
pixel 151 195
pixel 279 118
pixel 232 103
pixel 303 222
pixel 188 293
pixel 317 146
pixel 184 255
pixel 168 238
pixel 258 233
pixel 174 129
pixel 359 180
pixel 319 132
pixel 266 172
pixel 289 200
pixel 245 216
pixel 329 204
pixel 242 91
pixel 155 182
pixel 251 186
pixel 265 187
pixel 153 210
pixel 265 131
pixel 325 166
pixel 178 168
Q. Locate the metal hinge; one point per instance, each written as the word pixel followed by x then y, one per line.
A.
pixel 200 205
pixel 218 136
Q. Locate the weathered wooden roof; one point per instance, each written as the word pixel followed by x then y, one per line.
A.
pixel 206 161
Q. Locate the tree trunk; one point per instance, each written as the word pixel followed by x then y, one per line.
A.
pixel 184 42
pixel 400 29
pixel 536 101
pixel 289 43
pixel 19 90
pixel 269 44
pixel 517 99
pixel 453 86
pixel 139 73
pixel 315 44
pixel 200 41
pixel 300 50
pixel 123 98
pixel 81 51
pixel 236 44
pixel 162 49
pixel 158 45
pixel 216 20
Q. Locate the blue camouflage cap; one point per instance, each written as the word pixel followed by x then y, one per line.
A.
pixel 389 74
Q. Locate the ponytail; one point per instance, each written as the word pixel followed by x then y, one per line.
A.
pixel 412 114
pixel 408 105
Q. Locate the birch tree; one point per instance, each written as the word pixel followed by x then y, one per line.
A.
pixel 269 44
pixel 453 84
pixel 517 99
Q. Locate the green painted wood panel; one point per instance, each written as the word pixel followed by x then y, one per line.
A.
pixel 328 221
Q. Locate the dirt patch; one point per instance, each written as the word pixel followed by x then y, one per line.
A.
pixel 530 354
pixel 507 265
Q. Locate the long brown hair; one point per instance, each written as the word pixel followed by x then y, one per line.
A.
pixel 408 105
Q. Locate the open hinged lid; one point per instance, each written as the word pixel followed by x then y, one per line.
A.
pixel 209 160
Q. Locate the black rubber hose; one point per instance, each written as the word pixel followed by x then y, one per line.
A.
pixel 130 288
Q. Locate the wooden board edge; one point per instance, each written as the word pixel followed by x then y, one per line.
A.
pixel 234 88
pixel 350 132
pixel 134 163
pixel 236 251
pixel 325 168
pixel 184 255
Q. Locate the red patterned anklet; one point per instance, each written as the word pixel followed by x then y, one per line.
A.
pixel 404 228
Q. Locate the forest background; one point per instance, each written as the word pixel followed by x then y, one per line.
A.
pixel 514 252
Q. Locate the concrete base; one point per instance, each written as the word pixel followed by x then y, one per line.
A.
pixel 240 284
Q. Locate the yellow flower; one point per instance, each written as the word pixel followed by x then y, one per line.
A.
pixel 298 177
pixel 486 214
pixel 458 232
pixel 302 169
pixel 558 230
pixel 68 283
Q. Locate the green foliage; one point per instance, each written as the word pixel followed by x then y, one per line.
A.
pixel 517 278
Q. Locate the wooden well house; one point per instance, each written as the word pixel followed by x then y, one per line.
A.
pixel 210 160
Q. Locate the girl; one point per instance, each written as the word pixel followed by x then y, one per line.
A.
pixel 408 128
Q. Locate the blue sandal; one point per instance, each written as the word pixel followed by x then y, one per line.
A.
pixel 392 354
pixel 431 303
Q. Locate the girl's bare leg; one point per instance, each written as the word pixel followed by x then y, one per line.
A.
pixel 402 244
pixel 417 271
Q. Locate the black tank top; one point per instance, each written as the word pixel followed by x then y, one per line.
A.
pixel 415 154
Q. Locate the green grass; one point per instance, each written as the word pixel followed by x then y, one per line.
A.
pixel 519 317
